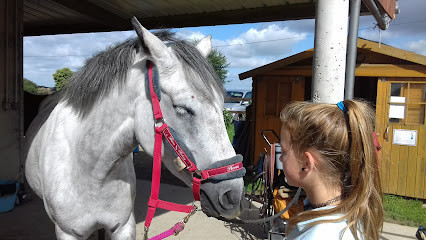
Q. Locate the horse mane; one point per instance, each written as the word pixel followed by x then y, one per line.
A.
pixel 109 68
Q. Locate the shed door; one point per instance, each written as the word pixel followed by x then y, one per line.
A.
pixel 272 94
pixel 400 123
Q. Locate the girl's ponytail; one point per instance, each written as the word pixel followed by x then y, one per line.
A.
pixel 364 198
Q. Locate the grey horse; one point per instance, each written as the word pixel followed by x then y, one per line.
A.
pixel 79 148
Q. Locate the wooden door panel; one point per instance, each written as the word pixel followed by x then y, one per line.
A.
pixel 273 93
pixel 394 162
pixel 412 167
pixel 402 167
pixel 384 132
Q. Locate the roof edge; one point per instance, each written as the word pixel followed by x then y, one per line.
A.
pixel 277 64
pixel 391 51
pixel 369 45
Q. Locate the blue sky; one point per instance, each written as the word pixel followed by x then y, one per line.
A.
pixel 246 46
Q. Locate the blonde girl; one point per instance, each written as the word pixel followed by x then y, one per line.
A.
pixel 329 151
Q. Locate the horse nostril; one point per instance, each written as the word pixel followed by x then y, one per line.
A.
pixel 229 200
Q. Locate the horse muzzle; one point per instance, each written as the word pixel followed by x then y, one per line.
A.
pixel 222 198
pixel 222 195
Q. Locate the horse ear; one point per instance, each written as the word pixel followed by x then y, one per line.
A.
pixel 152 44
pixel 205 46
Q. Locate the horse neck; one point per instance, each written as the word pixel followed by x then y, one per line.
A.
pixel 106 137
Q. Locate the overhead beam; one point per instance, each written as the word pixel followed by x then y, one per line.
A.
pixel 95 12
pixel 248 15
pixel 64 28
pixel 107 21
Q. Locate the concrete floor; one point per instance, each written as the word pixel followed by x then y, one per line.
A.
pixel 29 221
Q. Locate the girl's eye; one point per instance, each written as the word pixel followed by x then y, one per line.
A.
pixel 182 110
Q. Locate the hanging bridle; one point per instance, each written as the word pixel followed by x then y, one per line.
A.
pixel 233 165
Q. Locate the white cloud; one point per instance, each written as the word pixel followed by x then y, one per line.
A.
pixel 257 47
pixel 189 35
pixel 417 46
pixel 43 55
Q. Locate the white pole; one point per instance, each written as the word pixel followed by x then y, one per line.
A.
pixel 328 73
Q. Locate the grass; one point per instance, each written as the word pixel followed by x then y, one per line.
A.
pixel 257 187
pixel 404 211
pixel 231 133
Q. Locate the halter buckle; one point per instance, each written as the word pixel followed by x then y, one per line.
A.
pixel 159 122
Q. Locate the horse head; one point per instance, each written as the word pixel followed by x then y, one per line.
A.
pixel 191 101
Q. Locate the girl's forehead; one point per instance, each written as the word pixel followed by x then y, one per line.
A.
pixel 285 136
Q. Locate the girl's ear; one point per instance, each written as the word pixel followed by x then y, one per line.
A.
pixel 309 161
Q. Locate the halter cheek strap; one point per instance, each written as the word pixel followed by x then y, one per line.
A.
pixel 231 168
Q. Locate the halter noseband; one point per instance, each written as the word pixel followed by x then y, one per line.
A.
pixel 233 166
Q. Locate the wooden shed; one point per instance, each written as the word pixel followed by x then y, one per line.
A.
pixel 392 79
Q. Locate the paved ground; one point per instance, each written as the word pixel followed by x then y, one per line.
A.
pixel 29 221
pixel 393 231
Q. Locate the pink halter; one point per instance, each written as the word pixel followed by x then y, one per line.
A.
pixel 162 129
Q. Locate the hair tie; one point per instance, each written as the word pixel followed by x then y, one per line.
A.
pixel 342 107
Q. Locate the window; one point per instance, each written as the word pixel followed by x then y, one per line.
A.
pixel 407 103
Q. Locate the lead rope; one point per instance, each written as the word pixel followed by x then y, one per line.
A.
pixel 175 230
pixel 268 219
pixel 178 227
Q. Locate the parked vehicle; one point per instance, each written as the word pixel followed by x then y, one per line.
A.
pixel 237 108
pixel 237 105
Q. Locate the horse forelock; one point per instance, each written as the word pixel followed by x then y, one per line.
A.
pixel 109 68
pixel 199 72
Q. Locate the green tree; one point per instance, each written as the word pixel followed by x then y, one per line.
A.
pixel 61 77
pixel 30 86
pixel 219 62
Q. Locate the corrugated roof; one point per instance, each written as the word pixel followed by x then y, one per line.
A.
pixel 42 17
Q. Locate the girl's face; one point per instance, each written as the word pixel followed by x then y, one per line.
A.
pixel 291 164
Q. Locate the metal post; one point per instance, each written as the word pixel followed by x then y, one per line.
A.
pixel 382 19
pixel 355 7
pixel 331 25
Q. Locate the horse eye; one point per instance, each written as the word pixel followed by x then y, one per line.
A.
pixel 182 110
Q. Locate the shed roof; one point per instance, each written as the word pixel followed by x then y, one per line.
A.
pixel 363 45
pixel 43 17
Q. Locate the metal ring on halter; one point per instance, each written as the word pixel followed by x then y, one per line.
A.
pixel 160 122
pixel 197 174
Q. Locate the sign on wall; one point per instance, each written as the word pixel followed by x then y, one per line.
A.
pixel 405 137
